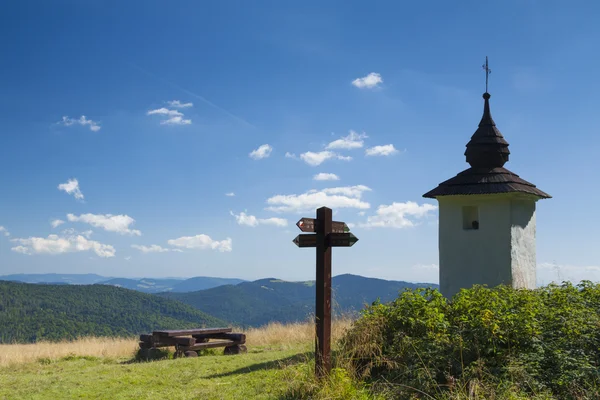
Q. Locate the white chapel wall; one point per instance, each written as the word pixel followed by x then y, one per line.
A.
pixel 523 251
pixel 475 256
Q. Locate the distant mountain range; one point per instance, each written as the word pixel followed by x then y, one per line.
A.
pixel 265 300
pixel 235 301
pixel 32 312
pixel 71 279
pixel 145 285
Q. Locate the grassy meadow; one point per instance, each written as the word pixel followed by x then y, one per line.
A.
pixel 500 343
pixel 279 365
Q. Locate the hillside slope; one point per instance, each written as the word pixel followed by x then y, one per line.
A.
pixel 203 282
pixel 262 301
pixel 145 285
pixel 30 312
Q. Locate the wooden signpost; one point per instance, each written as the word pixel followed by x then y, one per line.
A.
pixel 328 234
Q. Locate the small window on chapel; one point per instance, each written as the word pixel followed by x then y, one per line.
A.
pixel 470 217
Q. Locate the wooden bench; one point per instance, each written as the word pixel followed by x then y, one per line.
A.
pixel 188 341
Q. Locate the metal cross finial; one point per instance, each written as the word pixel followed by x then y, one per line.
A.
pixel 488 71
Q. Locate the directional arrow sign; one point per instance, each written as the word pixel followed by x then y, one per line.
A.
pixel 306 224
pixel 341 239
pixel 306 241
pixel 312 225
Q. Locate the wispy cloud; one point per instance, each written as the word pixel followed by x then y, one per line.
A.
pixel 174 117
pixel 263 151
pixel 72 187
pixel 94 127
pixel 56 223
pixel 202 242
pixel 178 104
pixel 165 111
pixel 154 248
pixel 352 141
pixel 398 215
pixel 368 82
pixel 110 223
pixel 72 231
pixel 55 244
pixel 385 150
pixel 201 98
pixel 176 121
pixel 323 176
pixel 338 197
pixel 250 220
pixel 230 194
pixel 4 231
pixel 314 159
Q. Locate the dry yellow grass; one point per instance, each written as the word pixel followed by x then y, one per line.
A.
pixel 89 346
pixel 273 334
pixel 276 334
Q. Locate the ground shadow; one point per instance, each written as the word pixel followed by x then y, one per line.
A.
pixel 274 364
pixel 148 355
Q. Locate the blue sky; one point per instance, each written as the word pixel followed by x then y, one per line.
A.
pixel 87 92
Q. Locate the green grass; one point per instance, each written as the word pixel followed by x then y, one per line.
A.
pixel 262 373
pixel 256 375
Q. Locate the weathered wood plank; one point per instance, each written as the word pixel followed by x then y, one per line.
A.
pixel 210 345
pixel 236 337
pixel 186 332
pixel 172 341
pixel 146 338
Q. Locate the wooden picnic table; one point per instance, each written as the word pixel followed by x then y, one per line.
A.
pixel 188 341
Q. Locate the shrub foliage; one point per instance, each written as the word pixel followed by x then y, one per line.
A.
pixel 541 342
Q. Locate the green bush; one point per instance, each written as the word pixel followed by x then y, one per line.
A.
pixel 531 343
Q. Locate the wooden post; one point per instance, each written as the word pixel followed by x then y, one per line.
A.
pixel 323 299
pixel 329 234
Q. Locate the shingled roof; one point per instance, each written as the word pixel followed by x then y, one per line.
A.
pixel 486 152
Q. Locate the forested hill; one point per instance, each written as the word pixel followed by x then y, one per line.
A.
pixel 265 300
pixel 30 312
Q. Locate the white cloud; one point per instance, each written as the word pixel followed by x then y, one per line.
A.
pixel 340 197
pixel 71 232
pixel 350 191
pixel 324 176
pixel 56 223
pixel 4 231
pixel 314 159
pixel 290 155
pixel 55 244
pixel 174 117
pixel 250 220
pixel 127 258
pixel 263 151
pixel 230 194
pixel 166 112
pixel 154 248
pixel 176 121
pixel 94 127
pixel 178 104
pixel 72 187
pixel 108 222
pixel 385 150
pixel 368 82
pixel 203 242
pixel 352 141
pixel 396 215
